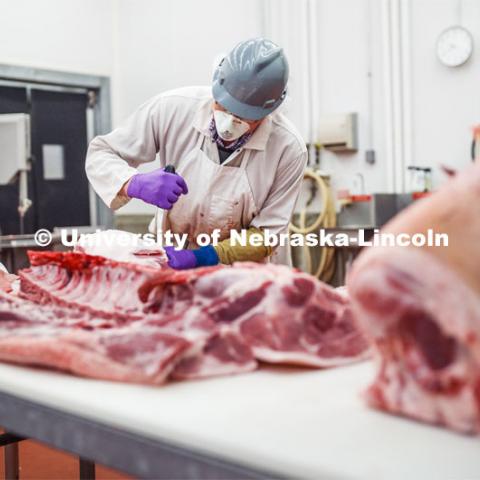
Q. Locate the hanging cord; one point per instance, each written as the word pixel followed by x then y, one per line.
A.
pixel 326 218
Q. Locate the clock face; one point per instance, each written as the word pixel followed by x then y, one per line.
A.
pixel 454 46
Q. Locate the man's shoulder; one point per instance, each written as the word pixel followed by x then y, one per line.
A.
pixel 288 133
pixel 182 103
pixel 192 94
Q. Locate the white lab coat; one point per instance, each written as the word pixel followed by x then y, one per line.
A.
pixel 171 125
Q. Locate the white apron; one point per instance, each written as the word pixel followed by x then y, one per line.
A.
pixel 219 197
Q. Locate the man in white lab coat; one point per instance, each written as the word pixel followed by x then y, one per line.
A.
pixel 238 163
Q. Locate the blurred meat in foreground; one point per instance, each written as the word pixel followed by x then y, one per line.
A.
pixel 420 307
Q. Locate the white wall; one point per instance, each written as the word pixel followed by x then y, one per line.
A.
pixel 164 44
pixel 349 42
pixel 148 46
pixel 73 35
pixel 446 101
pixel 333 46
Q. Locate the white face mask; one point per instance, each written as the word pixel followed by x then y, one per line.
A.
pixel 229 127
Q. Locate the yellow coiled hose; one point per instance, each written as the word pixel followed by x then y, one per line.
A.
pixel 326 218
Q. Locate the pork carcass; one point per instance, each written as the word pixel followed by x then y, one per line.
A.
pixel 420 307
pixel 208 321
pixel 142 351
pixel 284 315
pixel 77 342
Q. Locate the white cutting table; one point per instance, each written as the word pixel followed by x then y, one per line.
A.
pixel 290 422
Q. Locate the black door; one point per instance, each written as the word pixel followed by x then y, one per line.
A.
pixel 58 186
pixel 59 145
pixel 14 100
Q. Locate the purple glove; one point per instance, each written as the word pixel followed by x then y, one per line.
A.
pixel 158 188
pixel 180 259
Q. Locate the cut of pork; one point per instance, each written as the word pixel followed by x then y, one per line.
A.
pixel 85 311
pixel 216 349
pixel 143 351
pixel 74 339
pixel 97 289
pixel 425 325
pixel 421 309
pixel 130 354
pixel 52 337
pixel 224 353
pixel 284 315
pixel 101 286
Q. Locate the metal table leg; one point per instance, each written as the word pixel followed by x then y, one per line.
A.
pixel 11 462
pixel 10 442
pixel 87 469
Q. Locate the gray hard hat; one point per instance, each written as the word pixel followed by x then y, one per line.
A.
pixel 250 82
